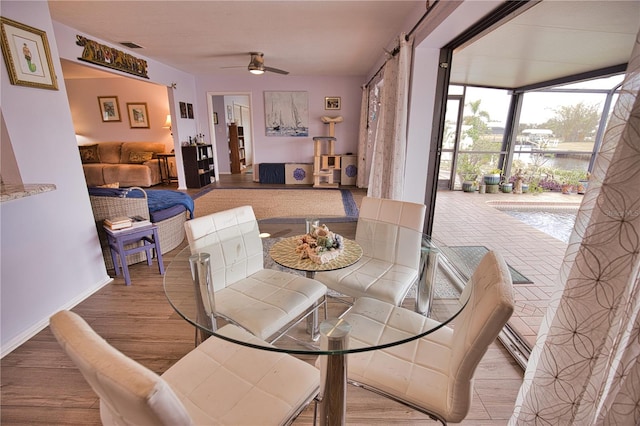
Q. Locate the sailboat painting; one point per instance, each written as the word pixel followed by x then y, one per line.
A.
pixel 286 113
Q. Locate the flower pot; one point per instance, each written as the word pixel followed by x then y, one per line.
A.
pixel 493 189
pixel 468 186
pixel 566 188
pixel 507 187
pixel 582 186
pixel 492 179
pixel 525 188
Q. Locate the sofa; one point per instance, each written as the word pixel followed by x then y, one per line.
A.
pixel 167 209
pixel 123 163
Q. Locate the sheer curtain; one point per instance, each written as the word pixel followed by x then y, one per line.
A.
pixel 386 177
pixel 585 367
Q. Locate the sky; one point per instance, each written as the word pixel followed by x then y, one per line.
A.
pixel 538 107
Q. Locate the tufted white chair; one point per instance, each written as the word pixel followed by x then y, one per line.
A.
pixel 263 301
pixel 217 383
pixel 390 234
pixel 433 374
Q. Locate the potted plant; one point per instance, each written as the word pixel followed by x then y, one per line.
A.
pixel 493 177
pixel 583 184
pixel 468 173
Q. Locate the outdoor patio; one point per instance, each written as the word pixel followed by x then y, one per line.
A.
pixel 472 219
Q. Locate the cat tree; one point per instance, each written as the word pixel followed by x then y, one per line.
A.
pixel 325 161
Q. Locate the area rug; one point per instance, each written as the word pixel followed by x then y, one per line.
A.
pixel 271 203
pixel 471 257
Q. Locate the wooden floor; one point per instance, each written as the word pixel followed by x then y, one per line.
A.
pixel 40 385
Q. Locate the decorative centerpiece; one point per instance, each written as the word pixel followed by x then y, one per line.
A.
pixel 320 245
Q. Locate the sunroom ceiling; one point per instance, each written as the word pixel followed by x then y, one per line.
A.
pixel 551 40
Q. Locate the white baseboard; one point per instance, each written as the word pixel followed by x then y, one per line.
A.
pixel 42 324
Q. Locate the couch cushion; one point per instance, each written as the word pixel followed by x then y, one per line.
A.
pixel 139 157
pixel 89 154
pixel 109 152
pixel 93 174
pixel 129 147
pixel 131 174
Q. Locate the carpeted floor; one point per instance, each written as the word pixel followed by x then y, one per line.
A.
pixel 269 203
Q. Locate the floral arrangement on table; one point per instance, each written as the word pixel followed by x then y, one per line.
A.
pixel 320 245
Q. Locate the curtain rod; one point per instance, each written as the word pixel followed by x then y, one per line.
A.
pixel 396 50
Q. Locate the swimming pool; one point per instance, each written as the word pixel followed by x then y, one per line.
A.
pixel 557 224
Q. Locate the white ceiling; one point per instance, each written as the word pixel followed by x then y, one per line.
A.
pixel 550 40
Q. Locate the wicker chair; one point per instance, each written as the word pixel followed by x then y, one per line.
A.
pixel 171 231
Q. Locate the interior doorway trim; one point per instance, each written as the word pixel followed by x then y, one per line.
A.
pixel 222 120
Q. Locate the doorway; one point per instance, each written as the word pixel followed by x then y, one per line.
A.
pixel 226 108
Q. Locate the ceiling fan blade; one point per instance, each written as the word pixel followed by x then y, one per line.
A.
pixel 276 70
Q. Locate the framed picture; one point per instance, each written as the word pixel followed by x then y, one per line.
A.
pixel 332 102
pixel 286 113
pixel 26 53
pixel 215 117
pixel 138 115
pixel 190 110
pixel 109 109
pixel 183 110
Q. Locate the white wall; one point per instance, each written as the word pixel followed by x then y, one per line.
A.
pixel 49 250
pixel 51 257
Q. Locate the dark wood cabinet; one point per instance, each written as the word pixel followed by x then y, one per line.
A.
pixel 236 148
pixel 198 165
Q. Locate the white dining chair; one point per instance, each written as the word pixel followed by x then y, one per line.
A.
pixel 433 374
pixel 263 301
pixel 218 382
pixel 390 233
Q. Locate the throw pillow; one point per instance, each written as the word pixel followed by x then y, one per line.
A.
pixel 110 185
pixel 89 154
pixel 139 157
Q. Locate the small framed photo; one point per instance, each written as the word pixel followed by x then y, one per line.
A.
pixel 332 102
pixel 190 110
pixel 26 53
pixel 109 108
pixel 183 110
pixel 138 115
pixel 215 117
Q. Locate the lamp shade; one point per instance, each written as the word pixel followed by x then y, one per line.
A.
pixel 167 123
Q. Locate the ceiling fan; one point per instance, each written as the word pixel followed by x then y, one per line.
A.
pixel 256 65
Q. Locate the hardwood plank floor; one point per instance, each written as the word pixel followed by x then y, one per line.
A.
pixel 40 385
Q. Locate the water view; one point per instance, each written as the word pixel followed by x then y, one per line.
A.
pixel 557 224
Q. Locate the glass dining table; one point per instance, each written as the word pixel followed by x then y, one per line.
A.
pixel 437 294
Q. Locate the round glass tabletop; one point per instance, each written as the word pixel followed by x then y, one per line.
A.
pixel 436 293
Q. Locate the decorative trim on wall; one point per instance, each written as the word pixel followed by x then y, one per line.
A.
pixel 107 56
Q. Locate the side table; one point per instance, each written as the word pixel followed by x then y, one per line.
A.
pixel 163 162
pixel 146 234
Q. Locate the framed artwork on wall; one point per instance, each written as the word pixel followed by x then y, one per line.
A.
pixel 183 110
pixel 26 53
pixel 138 115
pixel 190 110
pixel 109 108
pixel 286 113
pixel 215 117
pixel 332 102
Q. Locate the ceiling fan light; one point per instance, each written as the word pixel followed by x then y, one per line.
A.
pixel 256 71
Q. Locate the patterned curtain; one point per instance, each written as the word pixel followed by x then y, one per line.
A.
pixel 585 366
pixel 362 178
pixel 386 179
